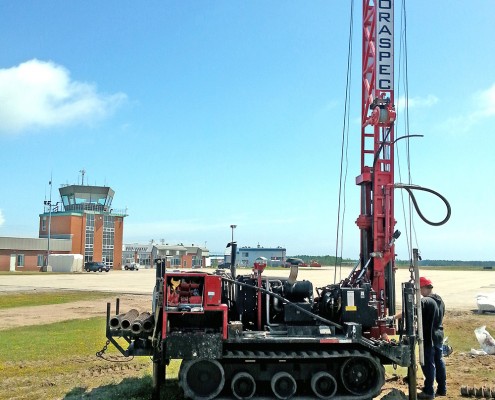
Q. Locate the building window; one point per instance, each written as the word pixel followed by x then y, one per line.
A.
pixel 108 239
pixel 245 254
pixel 20 260
pixel 175 262
pixel 90 238
pixel 197 261
pixel 43 224
pixel 41 259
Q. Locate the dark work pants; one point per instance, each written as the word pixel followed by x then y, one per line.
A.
pixel 434 368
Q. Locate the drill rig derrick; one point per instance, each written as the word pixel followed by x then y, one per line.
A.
pixel 376 219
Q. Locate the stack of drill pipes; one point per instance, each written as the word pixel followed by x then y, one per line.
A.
pixel 138 324
pixel 128 319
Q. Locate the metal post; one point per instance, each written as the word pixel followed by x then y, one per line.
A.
pixel 416 257
pixel 408 301
pixel 49 223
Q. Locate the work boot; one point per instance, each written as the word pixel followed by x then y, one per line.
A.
pixel 425 396
pixel 440 394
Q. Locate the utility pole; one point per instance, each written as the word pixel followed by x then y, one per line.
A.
pixel 49 223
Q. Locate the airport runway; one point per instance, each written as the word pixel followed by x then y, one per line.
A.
pixel 457 288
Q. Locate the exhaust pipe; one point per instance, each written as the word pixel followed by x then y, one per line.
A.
pixel 324 385
pixel 283 385
pixel 138 325
pixel 243 386
pixel 128 319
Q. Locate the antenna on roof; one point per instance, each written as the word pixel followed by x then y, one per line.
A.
pixel 82 171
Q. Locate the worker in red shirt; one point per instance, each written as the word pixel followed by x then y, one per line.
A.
pixel 433 310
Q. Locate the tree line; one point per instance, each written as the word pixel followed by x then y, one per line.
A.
pixel 332 260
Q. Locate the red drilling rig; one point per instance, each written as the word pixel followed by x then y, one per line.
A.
pixel 250 336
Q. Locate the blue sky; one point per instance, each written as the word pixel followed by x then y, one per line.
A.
pixel 203 114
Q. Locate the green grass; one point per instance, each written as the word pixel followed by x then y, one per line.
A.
pixel 58 361
pixel 39 298
pixel 52 341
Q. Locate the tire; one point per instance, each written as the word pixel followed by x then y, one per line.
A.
pixel 99 269
pixel 126 268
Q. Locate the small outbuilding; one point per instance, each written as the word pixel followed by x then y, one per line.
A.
pixel 29 254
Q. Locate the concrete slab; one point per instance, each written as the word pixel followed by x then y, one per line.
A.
pixel 457 288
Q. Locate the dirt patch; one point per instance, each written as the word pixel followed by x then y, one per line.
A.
pixel 463 369
pixel 47 314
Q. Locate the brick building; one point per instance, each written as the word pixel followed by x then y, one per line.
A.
pixel 29 254
pixel 180 256
pixel 85 215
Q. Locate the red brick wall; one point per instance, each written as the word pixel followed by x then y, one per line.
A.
pixel 30 259
pixel 76 226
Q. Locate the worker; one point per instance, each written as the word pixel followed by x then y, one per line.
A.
pixel 433 310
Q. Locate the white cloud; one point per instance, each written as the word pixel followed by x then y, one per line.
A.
pixel 40 94
pixel 481 107
pixel 416 102
pixel 485 100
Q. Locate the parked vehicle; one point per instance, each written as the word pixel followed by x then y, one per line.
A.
pixel 132 266
pixel 315 264
pixel 93 266
pixel 294 261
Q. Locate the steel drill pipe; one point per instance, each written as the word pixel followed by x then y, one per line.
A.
pixel 149 324
pixel 128 319
pixel 139 322
pixel 115 321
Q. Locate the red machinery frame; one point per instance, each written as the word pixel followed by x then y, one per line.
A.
pixel 211 287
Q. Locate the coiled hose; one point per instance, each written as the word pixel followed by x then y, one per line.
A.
pixel 409 188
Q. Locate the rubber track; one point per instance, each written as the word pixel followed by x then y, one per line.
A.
pixel 308 355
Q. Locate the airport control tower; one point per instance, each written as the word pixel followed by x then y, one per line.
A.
pixel 85 215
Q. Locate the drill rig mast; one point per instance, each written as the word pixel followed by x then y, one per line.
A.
pixel 376 220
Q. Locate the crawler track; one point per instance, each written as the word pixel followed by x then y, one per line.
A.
pixel 346 375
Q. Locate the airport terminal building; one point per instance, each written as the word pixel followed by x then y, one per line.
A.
pixel 85 216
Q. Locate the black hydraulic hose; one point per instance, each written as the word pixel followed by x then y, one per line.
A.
pixel 321 319
pixel 410 188
pixel 377 154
